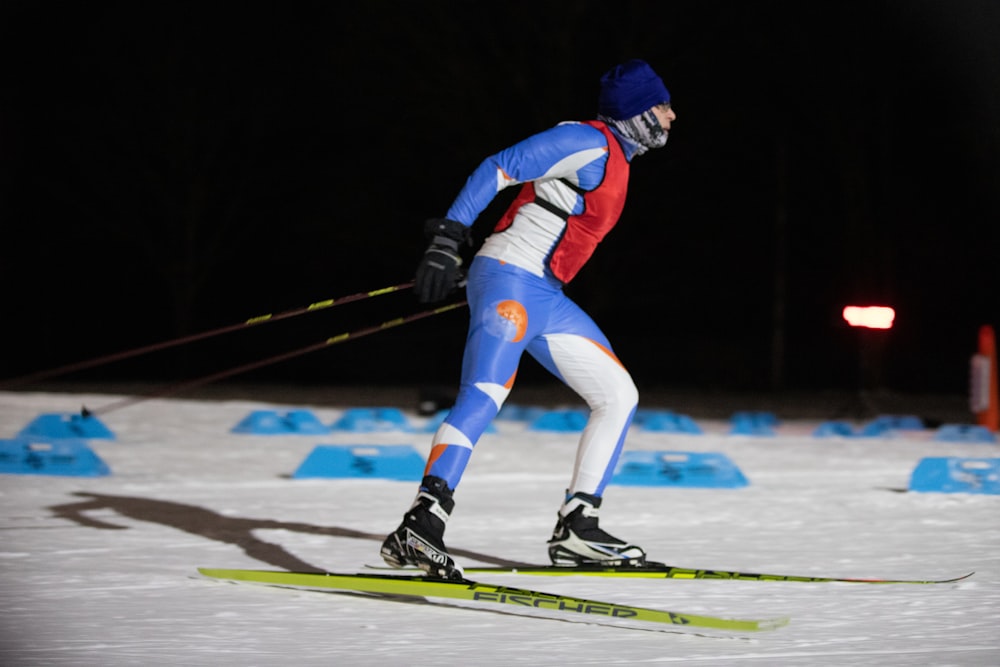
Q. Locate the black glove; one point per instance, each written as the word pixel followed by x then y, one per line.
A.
pixel 439 269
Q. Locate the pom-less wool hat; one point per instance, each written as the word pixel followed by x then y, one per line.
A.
pixel 630 89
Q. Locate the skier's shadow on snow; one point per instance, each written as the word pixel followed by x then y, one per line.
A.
pixel 214 526
pixel 229 530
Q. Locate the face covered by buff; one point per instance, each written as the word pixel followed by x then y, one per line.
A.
pixel 644 130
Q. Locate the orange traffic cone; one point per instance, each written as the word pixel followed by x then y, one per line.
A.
pixel 983 396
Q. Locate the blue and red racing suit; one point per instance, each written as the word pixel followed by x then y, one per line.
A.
pixel 573 181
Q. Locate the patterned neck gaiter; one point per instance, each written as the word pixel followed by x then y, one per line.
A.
pixel 645 130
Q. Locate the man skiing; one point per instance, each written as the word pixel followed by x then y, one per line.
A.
pixel 573 179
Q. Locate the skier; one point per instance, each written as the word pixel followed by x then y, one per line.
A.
pixel 573 180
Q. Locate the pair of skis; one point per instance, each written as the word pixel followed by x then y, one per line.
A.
pixel 416 585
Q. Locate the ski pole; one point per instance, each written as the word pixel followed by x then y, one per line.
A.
pixel 259 319
pixel 335 340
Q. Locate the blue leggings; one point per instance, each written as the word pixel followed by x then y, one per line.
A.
pixel 513 311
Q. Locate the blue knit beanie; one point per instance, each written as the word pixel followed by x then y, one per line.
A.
pixel 630 89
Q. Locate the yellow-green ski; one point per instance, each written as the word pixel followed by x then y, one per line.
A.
pixel 662 571
pixel 465 589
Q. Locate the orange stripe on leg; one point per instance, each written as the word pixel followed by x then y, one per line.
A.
pixel 436 452
pixel 609 353
pixel 510 383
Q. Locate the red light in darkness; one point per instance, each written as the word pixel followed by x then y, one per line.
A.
pixel 872 317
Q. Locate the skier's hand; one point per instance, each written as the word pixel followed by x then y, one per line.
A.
pixel 439 270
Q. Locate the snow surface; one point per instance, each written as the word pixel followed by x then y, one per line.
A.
pixel 102 570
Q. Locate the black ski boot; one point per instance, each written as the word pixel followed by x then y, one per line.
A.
pixel 419 540
pixel 577 539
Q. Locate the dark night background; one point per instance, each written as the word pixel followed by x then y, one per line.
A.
pixel 168 168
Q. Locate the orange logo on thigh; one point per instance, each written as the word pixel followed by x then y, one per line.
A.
pixel 514 312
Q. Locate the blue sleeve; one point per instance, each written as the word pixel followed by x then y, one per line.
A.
pixel 555 153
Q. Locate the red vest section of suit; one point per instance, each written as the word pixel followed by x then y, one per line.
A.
pixel 602 207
